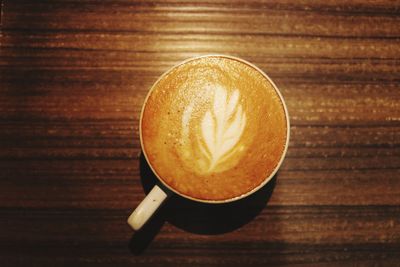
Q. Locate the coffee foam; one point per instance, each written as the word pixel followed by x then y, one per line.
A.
pixel 221 128
pixel 213 128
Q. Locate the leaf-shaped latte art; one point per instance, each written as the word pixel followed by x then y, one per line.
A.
pixel 222 127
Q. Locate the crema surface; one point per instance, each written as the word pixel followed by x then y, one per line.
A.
pixel 213 128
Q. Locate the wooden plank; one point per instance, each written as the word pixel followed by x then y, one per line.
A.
pixel 219 17
pixel 317 105
pixel 313 140
pixel 266 46
pixel 322 236
pixel 118 184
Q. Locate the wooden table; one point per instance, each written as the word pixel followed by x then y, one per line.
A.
pixel 74 75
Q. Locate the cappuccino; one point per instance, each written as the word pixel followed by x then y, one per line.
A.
pixel 213 128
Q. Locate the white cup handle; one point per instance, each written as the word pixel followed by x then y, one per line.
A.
pixel 147 207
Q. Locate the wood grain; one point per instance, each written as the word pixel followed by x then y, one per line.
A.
pixel 73 77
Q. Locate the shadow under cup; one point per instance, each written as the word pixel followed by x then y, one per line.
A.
pixel 213 149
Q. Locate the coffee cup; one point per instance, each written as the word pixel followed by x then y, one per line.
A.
pixel 213 129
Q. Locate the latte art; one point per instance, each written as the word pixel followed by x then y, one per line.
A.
pixel 213 128
pixel 221 128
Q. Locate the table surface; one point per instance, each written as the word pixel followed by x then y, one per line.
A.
pixel 74 75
